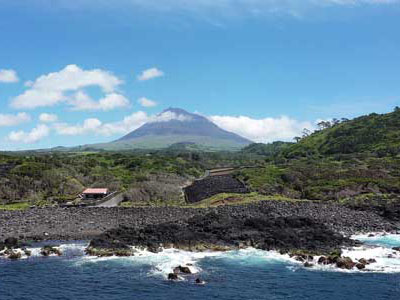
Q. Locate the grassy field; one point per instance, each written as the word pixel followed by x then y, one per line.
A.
pixel 15 206
pixel 238 199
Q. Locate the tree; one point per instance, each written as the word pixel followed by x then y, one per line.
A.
pixel 324 124
pixel 306 132
pixel 335 121
pixel 297 139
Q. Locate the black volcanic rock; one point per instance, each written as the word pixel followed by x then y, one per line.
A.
pixel 213 185
pixel 225 231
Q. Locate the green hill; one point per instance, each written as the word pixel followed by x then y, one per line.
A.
pixel 350 161
pixel 375 133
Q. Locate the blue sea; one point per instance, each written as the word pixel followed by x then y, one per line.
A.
pixel 244 274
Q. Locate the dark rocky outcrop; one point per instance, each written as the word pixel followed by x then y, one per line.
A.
pixel 213 185
pixel 103 247
pixel 221 232
pixel 181 269
pixel 173 276
pixel 50 250
pixel 88 223
pixel 11 242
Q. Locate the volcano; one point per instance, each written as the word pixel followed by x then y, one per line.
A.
pixel 177 127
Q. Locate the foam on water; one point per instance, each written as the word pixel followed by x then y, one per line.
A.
pixel 377 246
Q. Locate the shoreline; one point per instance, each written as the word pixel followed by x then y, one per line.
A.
pixel 300 229
pixel 87 223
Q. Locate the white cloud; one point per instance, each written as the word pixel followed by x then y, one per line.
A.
pixel 150 74
pixel 95 126
pixel 51 89
pixel 126 125
pixel 212 9
pixel 145 102
pixel 263 130
pixel 82 101
pixel 8 76
pixel 169 116
pixel 259 130
pixel 48 118
pixel 88 126
pixel 13 120
pixel 34 136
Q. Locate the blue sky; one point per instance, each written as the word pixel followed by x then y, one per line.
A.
pixel 263 69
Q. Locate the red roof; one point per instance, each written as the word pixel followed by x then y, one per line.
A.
pixel 95 191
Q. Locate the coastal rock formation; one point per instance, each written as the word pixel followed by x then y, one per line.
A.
pixel 89 223
pixel 50 250
pixel 221 232
pixel 105 248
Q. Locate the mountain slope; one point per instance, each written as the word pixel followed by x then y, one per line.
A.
pixel 356 162
pixel 375 133
pixel 174 126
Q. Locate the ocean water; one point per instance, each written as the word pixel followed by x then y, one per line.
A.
pixel 244 274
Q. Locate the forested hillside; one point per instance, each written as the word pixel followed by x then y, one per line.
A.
pixel 149 177
pixel 346 160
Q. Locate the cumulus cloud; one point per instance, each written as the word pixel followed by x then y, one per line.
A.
pixel 259 130
pixel 53 88
pixel 263 130
pixel 82 101
pixel 48 118
pixel 145 102
pixel 88 126
pixel 33 136
pixel 8 76
pixel 169 116
pixel 126 125
pixel 150 74
pixel 13 120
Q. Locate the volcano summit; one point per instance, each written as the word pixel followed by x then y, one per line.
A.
pixel 177 127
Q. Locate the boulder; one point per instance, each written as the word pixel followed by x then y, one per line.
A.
pixel 180 269
pixel 332 259
pixel 345 263
pixel 323 260
pixel 199 281
pixel 360 266
pixel 371 260
pixel 308 265
pixel 396 249
pixel 14 255
pixel 48 250
pixel 363 261
pixel 11 243
pixel 154 248
pixel 185 270
pixel 172 276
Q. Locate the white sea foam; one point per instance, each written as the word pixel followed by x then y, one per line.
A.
pixel 378 247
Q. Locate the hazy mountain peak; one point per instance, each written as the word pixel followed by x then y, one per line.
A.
pixel 176 125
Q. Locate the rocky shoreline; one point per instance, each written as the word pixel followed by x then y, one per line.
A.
pixel 303 230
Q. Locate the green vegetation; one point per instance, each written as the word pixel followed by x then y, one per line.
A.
pixel 145 177
pixel 348 161
pixel 236 199
pixel 15 206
